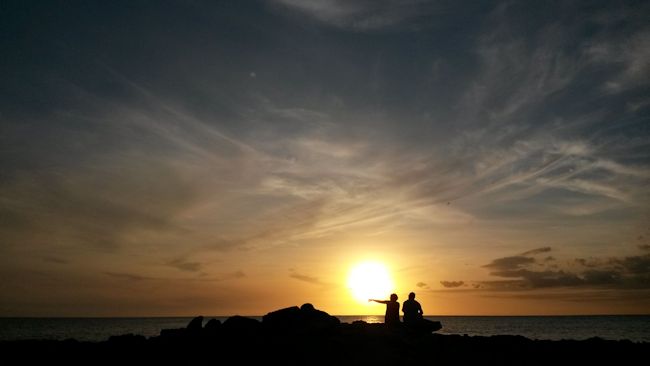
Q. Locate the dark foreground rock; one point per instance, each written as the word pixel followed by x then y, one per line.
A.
pixel 306 336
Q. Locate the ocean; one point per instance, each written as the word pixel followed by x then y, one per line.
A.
pixel 633 327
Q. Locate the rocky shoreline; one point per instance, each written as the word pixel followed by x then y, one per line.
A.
pixel 306 336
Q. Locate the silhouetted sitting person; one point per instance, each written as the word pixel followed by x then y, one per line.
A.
pixel 412 310
pixel 414 317
pixel 392 310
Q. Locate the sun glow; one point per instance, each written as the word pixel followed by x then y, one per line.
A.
pixel 369 280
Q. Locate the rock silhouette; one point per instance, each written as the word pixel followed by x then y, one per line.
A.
pixel 241 325
pixel 212 327
pixel 307 336
pixel 305 318
pixel 195 325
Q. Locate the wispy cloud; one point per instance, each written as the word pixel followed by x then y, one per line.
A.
pixel 128 276
pixel 184 265
pixel 364 15
pixel 212 278
pixel 629 55
pixel 98 206
pixel 53 259
pixel 536 251
pixel 231 276
pixel 305 278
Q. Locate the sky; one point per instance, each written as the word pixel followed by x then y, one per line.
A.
pixel 175 158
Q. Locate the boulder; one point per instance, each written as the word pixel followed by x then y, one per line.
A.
pixel 212 326
pixel 241 324
pixel 172 333
pixel 317 319
pixel 423 326
pixel 283 319
pixel 303 319
pixel 127 340
pixel 195 325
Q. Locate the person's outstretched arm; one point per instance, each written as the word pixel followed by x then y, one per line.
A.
pixel 379 301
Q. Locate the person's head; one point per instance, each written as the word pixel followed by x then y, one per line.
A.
pixel 412 296
pixel 393 297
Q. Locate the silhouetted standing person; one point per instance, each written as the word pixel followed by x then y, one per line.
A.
pixel 412 310
pixel 392 310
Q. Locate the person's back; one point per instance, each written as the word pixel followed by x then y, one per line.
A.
pixel 392 313
pixel 392 310
pixel 412 310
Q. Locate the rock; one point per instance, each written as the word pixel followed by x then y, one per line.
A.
pixel 307 307
pixel 317 319
pixel 243 339
pixel 240 325
pixel 283 319
pixel 127 340
pixel 195 325
pixel 423 326
pixel 172 333
pixel 303 319
pixel 212 326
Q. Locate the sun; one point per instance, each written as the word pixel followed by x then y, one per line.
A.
pixel 370 280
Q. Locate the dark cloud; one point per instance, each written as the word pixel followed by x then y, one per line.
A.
pixel 183 265
pixel 422 285
pixel 128 276
pixel 536 251
pixel 590 262
pixel 509 263
pixel 617 273
pixel 452 284
pixel 501 285
pixel 637 265
pixel 305 278
pixel 53 259
pixel 537 279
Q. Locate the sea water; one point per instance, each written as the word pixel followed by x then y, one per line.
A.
pixel 633 327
